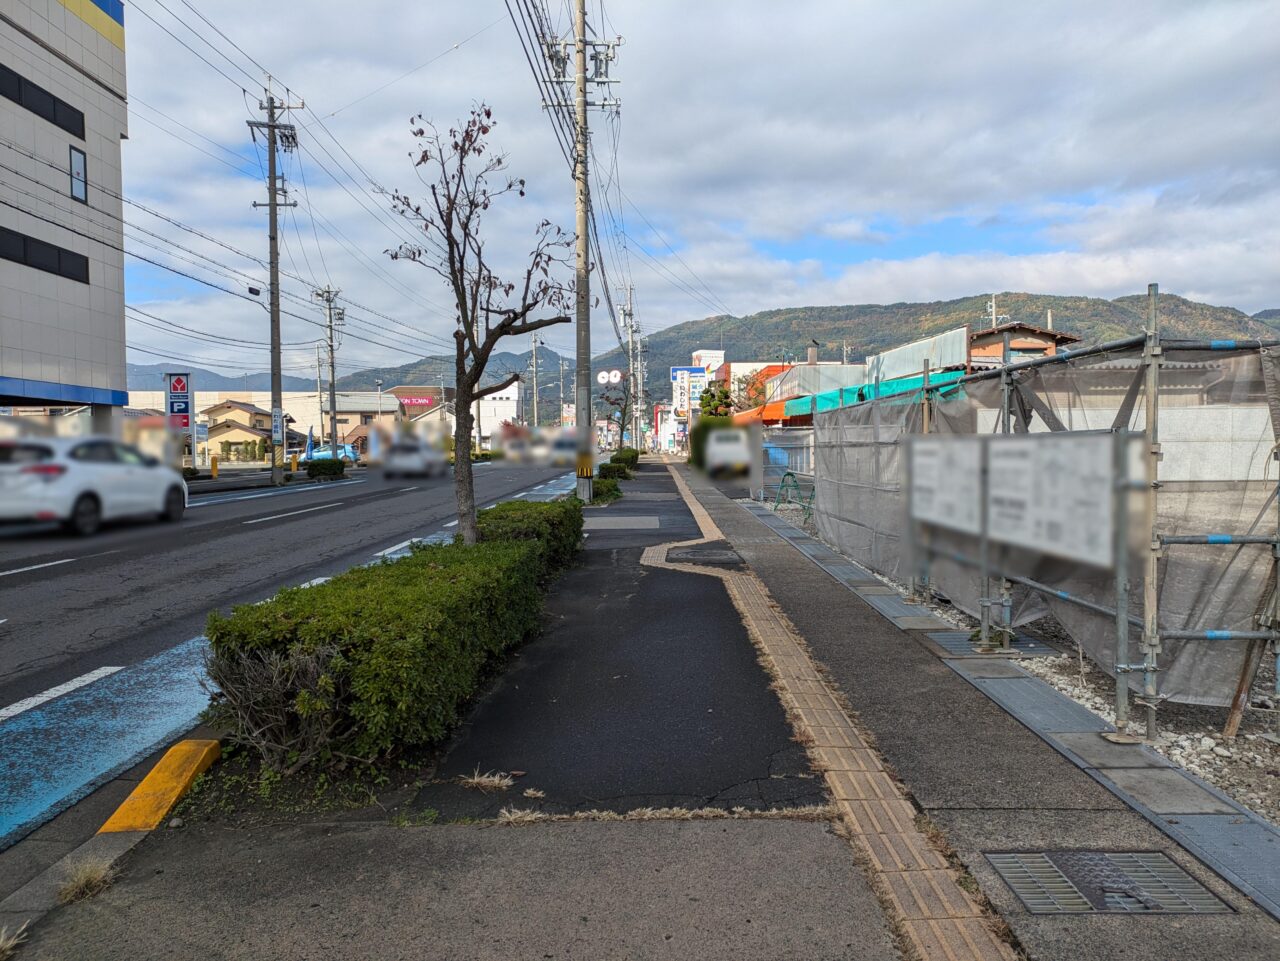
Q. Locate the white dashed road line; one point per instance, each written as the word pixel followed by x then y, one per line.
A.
pixel 305 510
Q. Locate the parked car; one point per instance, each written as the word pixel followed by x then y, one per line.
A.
pixel 411 458
pixel 346 453
pixel 83 481
pixel 728 452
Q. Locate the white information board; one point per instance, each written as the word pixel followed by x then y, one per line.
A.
pixel 1052 493
pixel 946 482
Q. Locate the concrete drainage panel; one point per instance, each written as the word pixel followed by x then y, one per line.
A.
pixel 1103 882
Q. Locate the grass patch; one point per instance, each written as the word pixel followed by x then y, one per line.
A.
pixel 517 817
pixel 85 879
pixel 489 781
pixel 605 491
pixel 534 794
pixel 10 942
pixel 415 819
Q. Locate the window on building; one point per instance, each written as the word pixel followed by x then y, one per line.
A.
pixel 35 98
pixel 40 255
pixel 79 176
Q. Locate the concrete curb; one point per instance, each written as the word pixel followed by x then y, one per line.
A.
pixel 140 813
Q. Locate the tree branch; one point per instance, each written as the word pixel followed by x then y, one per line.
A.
pixel 494 388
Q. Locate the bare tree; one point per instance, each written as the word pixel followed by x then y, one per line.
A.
pixel 464 177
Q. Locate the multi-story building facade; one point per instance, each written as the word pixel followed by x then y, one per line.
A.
pixel 63 114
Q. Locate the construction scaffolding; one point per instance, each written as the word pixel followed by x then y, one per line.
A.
pixel 1206 558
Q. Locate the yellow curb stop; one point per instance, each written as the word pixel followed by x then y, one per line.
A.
pixel 163 787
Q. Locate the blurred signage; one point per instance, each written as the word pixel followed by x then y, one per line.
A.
pixel 568 415
pixel 608 377
pixel 1050 493
pixel 1053 493
pixel 946 482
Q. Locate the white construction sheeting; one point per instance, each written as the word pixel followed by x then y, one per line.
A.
pixel 941 351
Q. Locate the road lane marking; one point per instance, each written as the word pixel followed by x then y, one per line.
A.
pixel 522 494
pixel 398 547
pixel 36 567
pixel 315 581
pixel 27 704
pixel 451 524
pixel 215 499
pixel 407 489
pixel 305 510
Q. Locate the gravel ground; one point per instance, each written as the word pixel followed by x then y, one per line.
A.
pixel 1247 767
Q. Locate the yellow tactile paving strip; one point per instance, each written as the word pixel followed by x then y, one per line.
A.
pixel 935 915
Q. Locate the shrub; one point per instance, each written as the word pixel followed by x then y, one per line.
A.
pixel 698 437
pixel 613 472
pixel 377 658
pixel 332 467
pixel 556 526
pixel 627 456
pixel 605 490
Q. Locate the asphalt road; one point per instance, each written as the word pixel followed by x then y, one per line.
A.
pixel 70 606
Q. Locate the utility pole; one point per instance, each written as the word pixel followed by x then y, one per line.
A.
pixel 319 395
pixel 533 338
pixel 602 53
pixel 560 418
pixel 278 134
pixel 582 202
pixel 333 318
pixel 633 365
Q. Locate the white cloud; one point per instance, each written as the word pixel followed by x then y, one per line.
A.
pixel 1141 135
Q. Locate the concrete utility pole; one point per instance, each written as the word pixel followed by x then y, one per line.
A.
pixel 582 203
pixel 633 365
pixel 560 417
pixel 278 134
pixel 333 318
pixel 533 338
pixel 319 395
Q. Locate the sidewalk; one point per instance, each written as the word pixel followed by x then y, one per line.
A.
pixel 643 693
pixel 682 665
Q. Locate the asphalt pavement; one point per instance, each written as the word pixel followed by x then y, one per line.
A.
pixel 101 638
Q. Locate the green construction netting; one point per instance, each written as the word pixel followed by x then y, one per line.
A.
pixel 845 396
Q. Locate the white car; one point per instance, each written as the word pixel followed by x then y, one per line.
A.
pixel 409 458
pixel 728 452
pixel 83 481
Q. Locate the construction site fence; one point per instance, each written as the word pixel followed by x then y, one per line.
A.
pixel 1216 506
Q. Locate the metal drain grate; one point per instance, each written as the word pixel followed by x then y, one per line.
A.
pixel 1085 882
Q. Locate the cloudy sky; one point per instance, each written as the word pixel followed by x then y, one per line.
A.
pixel 765 155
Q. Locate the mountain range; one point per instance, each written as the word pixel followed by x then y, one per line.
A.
pixel 853 331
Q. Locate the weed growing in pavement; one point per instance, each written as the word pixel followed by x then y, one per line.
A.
pixel 415 819
pixel 85 879
pixel 489 781
pixel 534 793
pixel 9 943
pixel 516 817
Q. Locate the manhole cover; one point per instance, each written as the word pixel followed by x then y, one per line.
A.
pixel 704 555
pixel 1083 882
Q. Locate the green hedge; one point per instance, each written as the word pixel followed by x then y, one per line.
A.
pixel 330 467
pixel 604 490
pixel 614 472
pixel 629 457
pixel 698 437
pixel 377 658
pixel 556 526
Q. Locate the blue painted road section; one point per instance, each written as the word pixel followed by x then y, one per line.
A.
pixel 109 725
pixel 116 721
